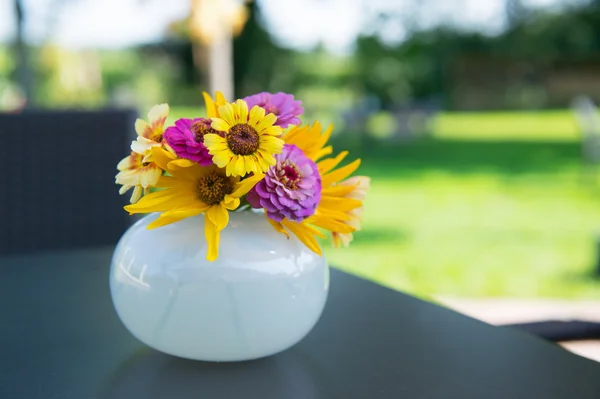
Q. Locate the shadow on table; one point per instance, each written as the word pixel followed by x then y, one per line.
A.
pixel 153 375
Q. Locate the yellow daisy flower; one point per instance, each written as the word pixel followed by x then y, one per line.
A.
pixel 193 190
pixel 150 134
pixel 250 139
pixel 137 170
pixel 137 174
pixel 338 209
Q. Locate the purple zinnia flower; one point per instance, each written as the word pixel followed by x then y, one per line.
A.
pixel 283 105
pixel 187 139
pixel 291 189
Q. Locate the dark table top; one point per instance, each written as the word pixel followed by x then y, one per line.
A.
pixel 60 338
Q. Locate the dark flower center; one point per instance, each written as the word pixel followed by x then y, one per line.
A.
pixel 200 128
pixel 213 187
pixel 158 138
pixel 242 139
pixel 288 174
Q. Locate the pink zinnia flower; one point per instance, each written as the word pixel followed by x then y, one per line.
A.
pixel 282 105
pixel 187 139
pixel 291 189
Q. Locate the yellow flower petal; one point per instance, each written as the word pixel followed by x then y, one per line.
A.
pixel 256 114
pixel 313 231
pixel 322 152
pixel 278 227
pixel 147 157
pixel 339 204
pixel 310 139
pixel 271 144
pixel 303 233
pixel 150 176
pixel 249 163
pixel 213 105
pixel 328 164
pixel 211 109
pixel 136 195
pixel 223 159
pixel 187 212
pixel 181 163
pixel 219 124
pixel 332 225
pixel 292 134
pixel 176 183
pixel 360 185
pixel 142 144
pixel 220 99
pixel 246 185
pixel 272 131
pixel 212 239
pixel 157 117
pixel 340 174
pixel 143 129
pixel 145 176
pixel 124 188
pixel 240 166
pixel 338 190
pixel 162 157
pixel 161 201
pixel 263 165
pixel 266 122
pixel 242 111
pixel 341 239
pixel 129 162
pixel 330 213
pixel 227 114
pixel 128 177
pixel 212 140
pixel 162 221
pixel 229 166
pixel 268 158
pixel 218 215
pixel 230 202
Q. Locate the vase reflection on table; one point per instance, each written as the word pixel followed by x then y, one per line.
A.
pixel 262 295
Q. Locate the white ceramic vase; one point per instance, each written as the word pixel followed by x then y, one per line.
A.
pixel 262 295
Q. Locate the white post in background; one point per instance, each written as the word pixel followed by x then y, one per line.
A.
pixel 220 66
pixel 213 24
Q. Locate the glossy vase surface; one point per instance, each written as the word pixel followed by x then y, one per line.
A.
pixel 262 295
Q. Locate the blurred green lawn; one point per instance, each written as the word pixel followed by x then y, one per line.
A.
pixel 558 125
pixel 481 218
pixel 494 205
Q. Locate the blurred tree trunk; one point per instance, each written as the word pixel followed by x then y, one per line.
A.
pixel 221 63
pixel 213 24
pixel 24 73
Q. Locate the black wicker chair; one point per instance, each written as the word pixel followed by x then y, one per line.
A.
pixel 57 186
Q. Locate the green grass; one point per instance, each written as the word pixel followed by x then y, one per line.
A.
pixel 541 125
pixel 477 219
pixel 184 112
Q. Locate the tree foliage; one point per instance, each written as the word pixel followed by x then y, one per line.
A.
pixel 259 63
pixel 419 67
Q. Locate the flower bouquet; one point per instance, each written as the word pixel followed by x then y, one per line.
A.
pixel 252 153
pixel 248 179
